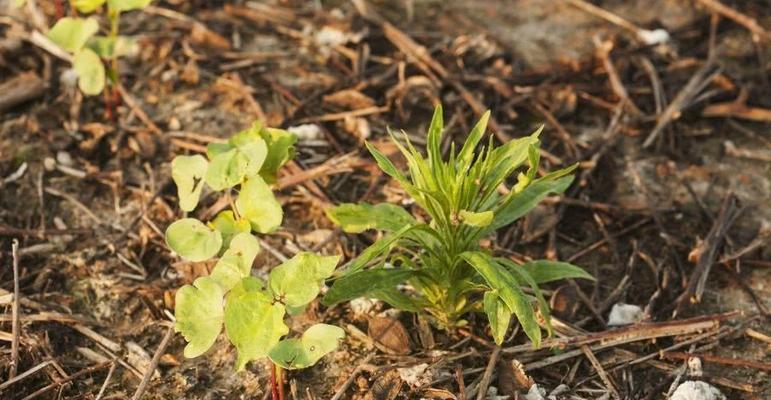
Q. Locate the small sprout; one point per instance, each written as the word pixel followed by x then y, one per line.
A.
pixel 252 311
pixel 443 259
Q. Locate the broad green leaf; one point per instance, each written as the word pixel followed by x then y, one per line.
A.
pixel 199 315
pixel 259 206
pixel 213 149
pixel 188 172
pixel 236 263
pixel 226 169
pixel 521 276
pixel 225 222
pixel 280 150
pixel 128 5
pixel 356 218
pixel 478 219
pixel 397 299
pixel 247 136
pixel 317 341
pixel 519 204
pixel 498 314
pixel 193 240
pixel 365 282
pixel 543 271
pixel 509 291
pixel 87 6
pixel 297 281
pixel 91 75
pixel 71 34
pixel 252 322
pixel 112 47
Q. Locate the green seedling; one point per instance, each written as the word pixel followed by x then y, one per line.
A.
pixel 251 310
pixel 466 200
pixel 79 37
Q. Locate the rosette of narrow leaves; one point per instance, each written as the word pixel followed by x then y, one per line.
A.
pixel 442 259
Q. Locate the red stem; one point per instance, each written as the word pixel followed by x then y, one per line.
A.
pixel 59 9
pixel 274 383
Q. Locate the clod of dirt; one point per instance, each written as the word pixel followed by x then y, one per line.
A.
pixel 625 314
pixel 390 333
pixel 697 390
pixel 386 387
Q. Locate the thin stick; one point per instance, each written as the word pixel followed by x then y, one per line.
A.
pixel 25 374
pixel 758 32
pixel 69 379
pixel 107 380
pixel 488 375
pixel 153 364
pixel 15 311
pixel 600 371
pixel 340 392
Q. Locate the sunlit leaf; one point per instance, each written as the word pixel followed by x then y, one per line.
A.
pixel 193 240
pixel 225 222
pixel 199 315
pixel 236 263
pixel 112 47
pixel 257 203
pixel 90 70
pixel 521 203
pixel 478 219
pixel 297 281
pixel 253 323
pixel 71 34
pixel 317 341
pixel 226 169
pixel 187 173
pixel 498 315
pixel 356 218
pixel 87 6
pixel 509 291
pixel 280 150
pixel 128 5
pixel 543 271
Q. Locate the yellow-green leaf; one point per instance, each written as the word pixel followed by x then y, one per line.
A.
pixel 280 150
pixel 253 323
pixel 71 34
pixel 226 169
pixel 316 342
pixel 193 240
pixel 91 75
pixel 87 6
pixel 298 280
pixel 498 314
pixel 477 219
pixel 225 222
pixel 199 315
pixel 112 47
pixel 188 172
pixel 356 218
pixel 259 206
pixel 128 5
pixel 236 263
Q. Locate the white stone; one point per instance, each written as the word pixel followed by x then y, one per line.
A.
pixel 697 390
pixel 625 314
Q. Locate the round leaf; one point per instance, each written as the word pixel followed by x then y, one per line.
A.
pixel 127 5
pixel 253 324
pixel 71 34
pixel 257 204
pixel 87 6
pixel 236 263
pixel 91 75
pixel 193 240
pixel 226 169
pixel 297 281
pixel 188 172
pixel 316 342
pixel 199 315
pixel 112 47
pixel 280 150
pixel 226 223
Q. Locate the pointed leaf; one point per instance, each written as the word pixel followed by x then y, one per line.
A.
pixel 478 219
pixel 71 34
pixel 509 291
pixel 356 218
pixel 317 341
pixel 236 263
pixel 90 70
pixel 128 5
pixel 252 322
pixel 543 271
pixel 199 315
pixel 193 240
pixel 364 282
pixel 519 204
pixel 297 281
pixel 498 314
pixel 188 172
pixel 259 206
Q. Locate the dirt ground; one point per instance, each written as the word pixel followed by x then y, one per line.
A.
pixel 674 186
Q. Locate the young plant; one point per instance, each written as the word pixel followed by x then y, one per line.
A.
pixel 78 36
pixel 251 310
pixel 466 199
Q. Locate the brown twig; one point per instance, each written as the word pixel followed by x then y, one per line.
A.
pixel 15 328
pixel 341 391
pixel 153 364
pixel 488 375
pixel 758 32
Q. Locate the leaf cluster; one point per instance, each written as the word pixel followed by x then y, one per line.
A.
pixel 78 36
pixel 467 197
pixel 251 310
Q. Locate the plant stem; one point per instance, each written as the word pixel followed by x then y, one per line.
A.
pixel 280 382
pixel 273 383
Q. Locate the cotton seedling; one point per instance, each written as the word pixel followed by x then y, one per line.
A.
pixel 252 311
pixel 442 261
pixel 78 36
